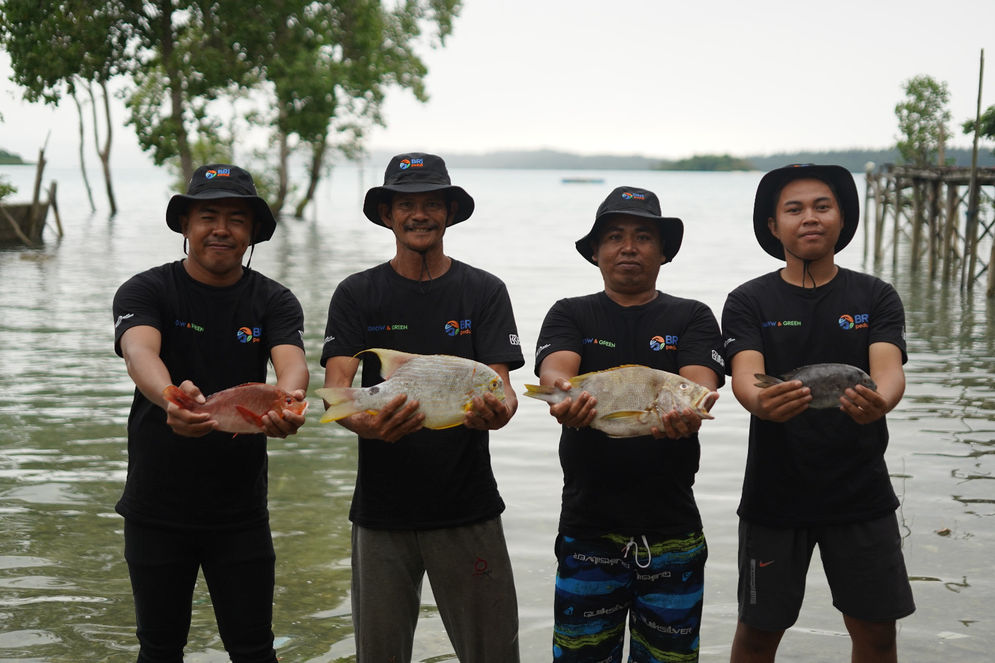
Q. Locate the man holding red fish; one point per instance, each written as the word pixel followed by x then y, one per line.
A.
pixel 195 496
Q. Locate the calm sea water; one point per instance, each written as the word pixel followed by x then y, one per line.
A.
pixel 64 399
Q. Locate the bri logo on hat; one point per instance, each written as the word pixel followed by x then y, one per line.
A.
pixel 220 172
pixel 412 163
pixel 626 195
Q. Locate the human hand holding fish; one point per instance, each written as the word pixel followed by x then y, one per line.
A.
pixel 820 386
pixel 434 391
pixel 253 407
pixel 487 413
pixel 636 400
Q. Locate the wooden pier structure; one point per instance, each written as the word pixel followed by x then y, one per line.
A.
pixel 943 213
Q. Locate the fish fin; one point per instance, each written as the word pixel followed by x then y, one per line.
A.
pixel 390 360
pixel 623 414
pixel 250 416
pixel 764 381
pixel 458 423
pixel 178 397
pixel 341 402
pixel 540 391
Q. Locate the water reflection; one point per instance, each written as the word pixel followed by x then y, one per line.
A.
pixel 64 399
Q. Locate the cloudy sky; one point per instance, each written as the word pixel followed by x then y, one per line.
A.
pixel 658 77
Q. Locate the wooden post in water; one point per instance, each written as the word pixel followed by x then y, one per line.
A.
pixel 881 194
pixel 898 222
pixel 915 253
pixel 949 248
pixel 933 220
pixel 868 181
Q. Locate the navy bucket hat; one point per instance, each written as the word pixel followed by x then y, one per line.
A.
pixel 220 180
pixel 633 201
pixel 416 172
pixel 839 179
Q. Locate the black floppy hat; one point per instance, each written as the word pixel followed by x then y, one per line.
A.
pixel 841 182
pixel 634 201
pixel 416 172
pixel 220 180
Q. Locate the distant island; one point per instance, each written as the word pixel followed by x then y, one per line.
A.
pixel 8 158
pixel 854 159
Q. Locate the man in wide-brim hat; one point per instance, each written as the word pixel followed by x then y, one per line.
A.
pixel 816 476
pixel 629 524
pixel 195 496
pixel 426 501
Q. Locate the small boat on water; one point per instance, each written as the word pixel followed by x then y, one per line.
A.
pixel 582 180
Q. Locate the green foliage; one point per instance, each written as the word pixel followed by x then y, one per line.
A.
pixel 710 162
pixel 987 123
pixel 922 119
pixel 6 188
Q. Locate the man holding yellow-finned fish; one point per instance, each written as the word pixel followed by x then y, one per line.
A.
pixel 630 542
pixel 425 500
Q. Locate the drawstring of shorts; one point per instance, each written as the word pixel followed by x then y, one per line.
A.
pixel 632 545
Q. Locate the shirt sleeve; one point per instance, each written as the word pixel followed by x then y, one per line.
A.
pixel 889 323
pixel 701 344
pixel 559 332
pixel 286 320
pixel 500 342
pixel 135 304
pixel 740 329
pixel 343 328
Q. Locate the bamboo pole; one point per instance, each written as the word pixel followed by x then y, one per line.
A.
pixel 948 231
pixel 917 222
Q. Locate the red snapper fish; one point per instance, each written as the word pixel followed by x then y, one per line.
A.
pixel 239 409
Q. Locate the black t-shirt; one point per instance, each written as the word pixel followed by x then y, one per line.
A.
pixel 217 338
pixel 638 485
pixel 430 478
pixel 820 467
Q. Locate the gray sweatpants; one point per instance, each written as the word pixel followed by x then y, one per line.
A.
pixel 471 578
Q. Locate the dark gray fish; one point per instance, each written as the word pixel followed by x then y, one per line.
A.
pixel 827 382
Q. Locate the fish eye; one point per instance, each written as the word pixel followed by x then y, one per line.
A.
pixel 684 385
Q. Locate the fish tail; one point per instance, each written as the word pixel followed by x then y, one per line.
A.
pixel 541 391
pixel 390 360
pixel 178 397
pixel 764 381
pixel 341 402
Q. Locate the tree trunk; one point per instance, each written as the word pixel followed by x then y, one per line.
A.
pixel 82 158
pixel 283 179
pixel 104 153
pixel 175 87
pixel 318 151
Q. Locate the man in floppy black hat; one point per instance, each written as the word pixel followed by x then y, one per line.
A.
pixel 816 476
pixel 426 500
pixel 195 497
pixel 630 542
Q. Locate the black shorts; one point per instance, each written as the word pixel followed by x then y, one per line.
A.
pixel 863 564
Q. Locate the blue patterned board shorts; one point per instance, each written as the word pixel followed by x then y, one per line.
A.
pixel 656 583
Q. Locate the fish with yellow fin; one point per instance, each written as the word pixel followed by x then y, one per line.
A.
pixel 632 399
pixel 443 385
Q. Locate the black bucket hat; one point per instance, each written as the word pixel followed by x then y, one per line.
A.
pixel 841 182
pixel 220 180
pixel 416 172
pixel 635 202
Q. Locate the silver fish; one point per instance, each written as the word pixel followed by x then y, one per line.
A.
pixel 827 382
pixel 443 385
pixel 631 398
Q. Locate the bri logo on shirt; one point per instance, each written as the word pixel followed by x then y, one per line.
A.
pixel 458 328
pixel 857 321
pixel 249 334
pixel 666 342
